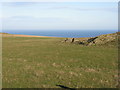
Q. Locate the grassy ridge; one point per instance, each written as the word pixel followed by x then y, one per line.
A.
pixel 46 62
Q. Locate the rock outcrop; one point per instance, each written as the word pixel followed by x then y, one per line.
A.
pixel 100 40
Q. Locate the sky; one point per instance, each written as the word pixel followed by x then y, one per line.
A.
pixel 59 0
pixel 59 15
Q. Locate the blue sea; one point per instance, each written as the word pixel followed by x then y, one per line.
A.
pixel 62 33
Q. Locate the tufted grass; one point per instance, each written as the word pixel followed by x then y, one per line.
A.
pixel 47 62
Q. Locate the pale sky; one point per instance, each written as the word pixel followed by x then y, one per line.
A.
pixel 59 16
pixel 59 0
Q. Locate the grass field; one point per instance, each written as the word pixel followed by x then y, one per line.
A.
pixel 40 62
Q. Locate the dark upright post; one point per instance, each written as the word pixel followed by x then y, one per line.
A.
pixel 73 40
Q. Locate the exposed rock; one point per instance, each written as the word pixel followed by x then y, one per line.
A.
pixel 67 40
pixel 100 40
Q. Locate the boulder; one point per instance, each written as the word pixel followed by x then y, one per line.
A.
pixel 99 40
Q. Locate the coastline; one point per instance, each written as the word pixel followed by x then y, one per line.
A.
pixel 60 34
pixel 20 35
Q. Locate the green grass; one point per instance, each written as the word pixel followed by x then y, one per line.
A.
pixel 47 62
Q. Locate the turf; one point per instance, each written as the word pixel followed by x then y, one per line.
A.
pixel 48 63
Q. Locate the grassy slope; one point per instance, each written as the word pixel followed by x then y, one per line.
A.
pixel 45 62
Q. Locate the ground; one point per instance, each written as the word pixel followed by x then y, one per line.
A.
pixel 44 62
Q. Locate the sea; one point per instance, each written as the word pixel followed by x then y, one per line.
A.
pixel 62 33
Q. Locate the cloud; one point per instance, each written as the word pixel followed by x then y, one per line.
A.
pixel 83 9
pixel 95 6
pixel 96 9
pixel 18 18
pixel 61 16
pixel 19 4
pixel 31 19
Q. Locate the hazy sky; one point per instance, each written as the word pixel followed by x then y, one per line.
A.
pixel 59 16
pixel 59 0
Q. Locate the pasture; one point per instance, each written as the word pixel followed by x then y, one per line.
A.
pixel 44 62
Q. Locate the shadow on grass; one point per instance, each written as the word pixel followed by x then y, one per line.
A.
pixel 64 87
